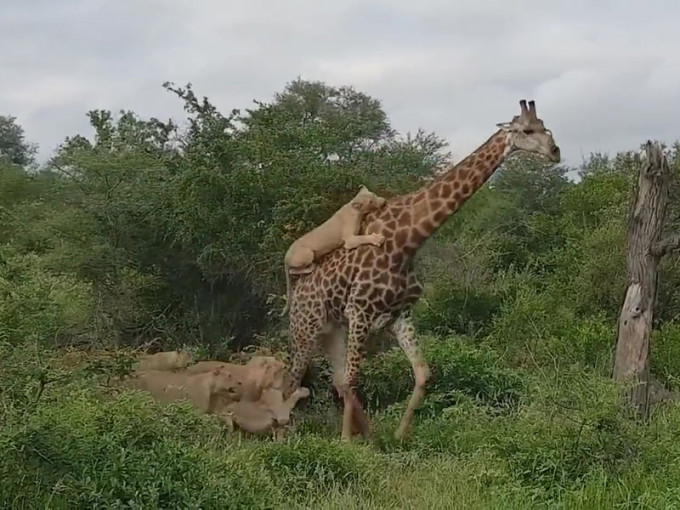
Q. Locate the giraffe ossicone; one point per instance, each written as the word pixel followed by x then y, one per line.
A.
pixel 354 292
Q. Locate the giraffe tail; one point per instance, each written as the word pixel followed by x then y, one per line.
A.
pixel 286 307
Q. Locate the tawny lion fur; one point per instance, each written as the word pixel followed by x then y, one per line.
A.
pixel 268 415
pixel 165 361
pixel 260 373
pixel 339 231
pixel 209 391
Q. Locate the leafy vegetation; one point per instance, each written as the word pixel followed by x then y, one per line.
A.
pixel 147 233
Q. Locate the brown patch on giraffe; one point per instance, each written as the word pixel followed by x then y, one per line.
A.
pixel 466 189
pixel 410 250
pixel 390 295
pixel 451 204
pixel 435 204
pixel 446 191
pixel 401 237
pixel 421 210
pixel 434 191
pixel 337 301
pixel 379 277
pixel 361 302
pixel 439 216
pixel 456 185
pixel 404 219
pixel 426 225
pixel 365 274
pixel 389 245
pixel 364 289
pixel 383 262
pixel 391 225
pixel 369 257
pixel 418 198
pixel 397 259
pixel 375 294
pixel 417 236
pixel 463 173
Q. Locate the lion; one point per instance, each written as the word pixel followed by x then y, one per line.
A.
pixel 339 231
pixel 268 415
pixel 209 391
pixel 260 373
pixel 167 361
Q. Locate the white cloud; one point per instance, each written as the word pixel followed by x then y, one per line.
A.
pixel 605 75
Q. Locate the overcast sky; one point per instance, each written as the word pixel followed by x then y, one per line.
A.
pixel 605 74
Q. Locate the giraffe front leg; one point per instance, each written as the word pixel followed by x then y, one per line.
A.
pixel 406 336
pixel 353 417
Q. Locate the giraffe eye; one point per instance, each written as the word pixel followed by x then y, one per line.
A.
pixel 528 131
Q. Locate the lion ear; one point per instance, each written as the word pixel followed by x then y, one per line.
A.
pixel 356 205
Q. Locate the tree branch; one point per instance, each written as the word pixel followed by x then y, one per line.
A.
pixel 666 246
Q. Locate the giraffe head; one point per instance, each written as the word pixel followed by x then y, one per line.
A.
pixel 528 133
pixel 367 201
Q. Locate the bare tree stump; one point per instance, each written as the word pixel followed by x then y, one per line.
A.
pixel 645 249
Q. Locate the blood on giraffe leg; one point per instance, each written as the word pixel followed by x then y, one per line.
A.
pixel 406 336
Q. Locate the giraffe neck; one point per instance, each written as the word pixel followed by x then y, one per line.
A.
pixel 408 221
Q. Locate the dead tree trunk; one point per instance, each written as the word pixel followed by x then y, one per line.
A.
pixel 645 249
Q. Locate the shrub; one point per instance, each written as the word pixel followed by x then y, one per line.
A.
pixel 665 354
pixel 85 451
pixel 36 304
pixel 457 367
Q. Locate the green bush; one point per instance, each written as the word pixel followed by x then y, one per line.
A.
pixel 665 354
pixel 457 367
pixel 37 304
pixel 86 451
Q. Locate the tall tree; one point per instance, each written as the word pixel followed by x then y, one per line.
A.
pixel 13 144
pixel 646 247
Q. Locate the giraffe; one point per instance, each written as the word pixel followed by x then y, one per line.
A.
pixel 354 293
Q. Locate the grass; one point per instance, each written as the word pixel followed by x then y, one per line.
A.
pixel 503 439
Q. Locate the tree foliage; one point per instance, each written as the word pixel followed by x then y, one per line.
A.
pixel 13 145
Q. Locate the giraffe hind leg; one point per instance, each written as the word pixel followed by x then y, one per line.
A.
pixel 354 417
pixel 405 332
pixel 306 328
pixel 336 351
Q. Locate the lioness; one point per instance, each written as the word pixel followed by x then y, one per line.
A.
pixel 260 373
pixel 267 415
pixel 166 361
pixel 340 230
pixel 208 391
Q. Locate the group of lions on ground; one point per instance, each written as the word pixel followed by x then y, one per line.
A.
pixel 249 395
